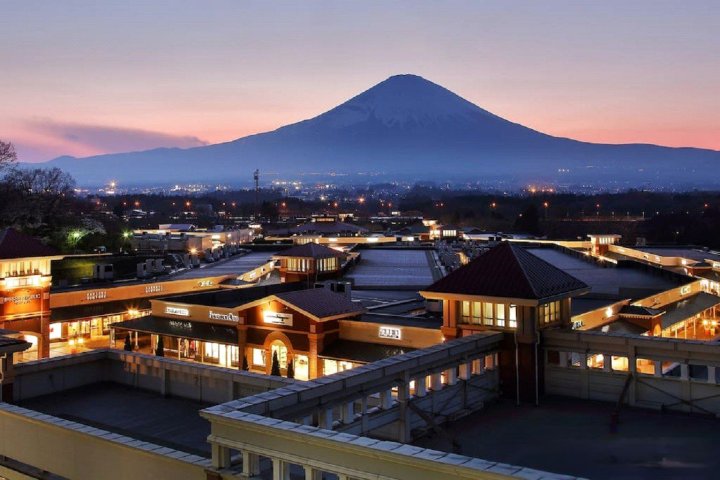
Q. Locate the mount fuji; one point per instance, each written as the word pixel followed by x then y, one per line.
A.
pixel 406 127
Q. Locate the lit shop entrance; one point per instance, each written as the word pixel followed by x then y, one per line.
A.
pixel 277 344
pixel 194 341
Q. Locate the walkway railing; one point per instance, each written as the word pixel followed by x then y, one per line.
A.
pixel 304 427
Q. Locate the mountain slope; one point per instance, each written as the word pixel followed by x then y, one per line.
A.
pixel 405 125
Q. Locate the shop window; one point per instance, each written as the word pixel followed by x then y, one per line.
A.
pixel 645 366
pixel 258 356
pixel 476 312
pixel 465 311
pixel 576 360
pixel 282 353
pixel 500 315
pixel 212 350
pixel 302 371
pixel 487 313
pixel 329 367
pixel 234 355
pixel 513 316
pixel 619 364
pixel 549 312
pixel 596 361
pixel 55 331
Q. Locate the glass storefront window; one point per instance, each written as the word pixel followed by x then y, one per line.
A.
pixel 258 356
pixel 329 367
pixel 302 371
pixel 55 331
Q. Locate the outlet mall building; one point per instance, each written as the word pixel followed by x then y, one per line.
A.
pixel 319 330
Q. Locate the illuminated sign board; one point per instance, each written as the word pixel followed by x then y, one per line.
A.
pixel 393 333
pixel 183 312
pixel 23 301
pixel 278 318
pixel 227 317
pixel 96 295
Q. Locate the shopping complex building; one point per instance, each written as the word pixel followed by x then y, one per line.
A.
pixel 184 386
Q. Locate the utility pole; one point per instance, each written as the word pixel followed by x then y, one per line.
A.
pixel 256 176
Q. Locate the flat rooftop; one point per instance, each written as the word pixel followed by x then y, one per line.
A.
pixel 574 437
pixel 236 265
pixel 610 281
pixel 394 269
pixel 168 421
pixel 685 252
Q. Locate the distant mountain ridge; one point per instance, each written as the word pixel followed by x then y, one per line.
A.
pixel 406 126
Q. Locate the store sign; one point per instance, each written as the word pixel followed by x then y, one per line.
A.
pixel 393 333
pixel 153 288
pixel 206 283
pixel 227 317
pixel 278 318
pixel 22 301
pixel 96 295
pixel 183 312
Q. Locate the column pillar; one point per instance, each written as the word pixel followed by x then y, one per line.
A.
pixel 7 378
pixel 325 418
pixel 465 371
pixel 386 399
pixel 711 374
pixel 436 381
pixel 311 473
pixel 421 386
pixel 44 337
pixel 684 371
pixel 658 368
pixel 364 424
pixel 607 362
pixel 280 469
pixel 347 414
pixel 451 376
pixel 220 456
pixel 250 464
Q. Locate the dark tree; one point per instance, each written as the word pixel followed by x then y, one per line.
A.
pixel 275 368
pixel 528 221
pixel 245 365
pixel 291 369
pixel 128 343
pixel 8 156
pixel 160 350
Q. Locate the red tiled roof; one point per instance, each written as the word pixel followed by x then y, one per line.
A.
pixel 14 244
pixel 508 271
pixel 320 302
pixel 310 250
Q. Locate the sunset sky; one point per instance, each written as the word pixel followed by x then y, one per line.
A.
pixel 88 77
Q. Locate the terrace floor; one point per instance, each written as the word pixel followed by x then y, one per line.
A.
pixel 574 437
pixel 168 421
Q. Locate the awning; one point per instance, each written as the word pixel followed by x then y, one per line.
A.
pixel 67 314
pixel 688 308
pixel 206 332
pixel 361 351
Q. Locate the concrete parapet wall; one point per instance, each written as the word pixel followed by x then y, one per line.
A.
pixel 79 452
pixel 692 387
pixel 163 375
